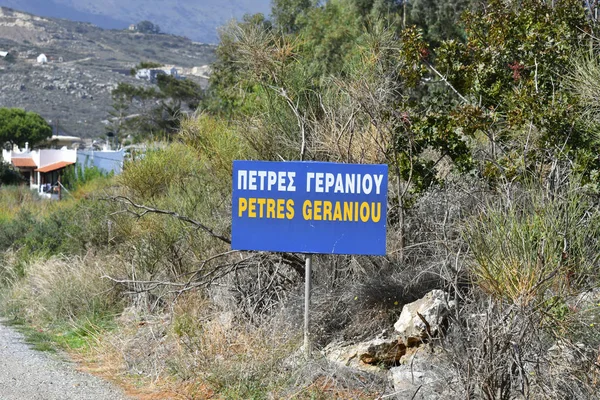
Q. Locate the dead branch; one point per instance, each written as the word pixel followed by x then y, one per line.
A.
pixel 301 123
pixel 295 262
pixel 152 210
pixel 198 278
pixel 443 78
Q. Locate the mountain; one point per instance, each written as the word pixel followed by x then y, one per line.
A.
pixel 195 19
pixel 85 63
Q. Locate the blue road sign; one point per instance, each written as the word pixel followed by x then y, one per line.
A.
pixel 309 207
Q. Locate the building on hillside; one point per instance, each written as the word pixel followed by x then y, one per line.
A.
pixel 42 59
pixel 203 71
pixel 3 54
pixel 133 27
pixel 60 141
pixel 151 74
pixel 42 168
pixel 26 54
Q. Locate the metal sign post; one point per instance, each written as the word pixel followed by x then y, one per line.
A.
pixel 310 208
pixel 307 289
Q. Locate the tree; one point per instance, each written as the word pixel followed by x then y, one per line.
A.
pixel 18 127
pixel 180 90
pixel 158 111
pixel 376 8
pixel 228 83
pixel 144 65
pixel 119 119
pixel 148 27
pixel 285 14
pixel 329 36
pixel 9 175
pixel 511 73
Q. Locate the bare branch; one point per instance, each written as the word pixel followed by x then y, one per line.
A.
pixel 299 118
pixel 443 78
pixel 152 210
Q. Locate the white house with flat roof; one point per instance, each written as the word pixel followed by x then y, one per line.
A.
pixel 59 141
pixel 151 74
pixel 42 168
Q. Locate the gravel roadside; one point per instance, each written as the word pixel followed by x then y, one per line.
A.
pixel 26 374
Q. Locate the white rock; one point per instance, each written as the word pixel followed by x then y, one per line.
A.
pixel 424 375
pixel 368 356
pixel 434 308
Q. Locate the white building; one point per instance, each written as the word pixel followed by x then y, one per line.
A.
pixel 42 59
pixel 43 168
pixel 150 74
pixel 59 141
pixel 107 161
pixel 203 71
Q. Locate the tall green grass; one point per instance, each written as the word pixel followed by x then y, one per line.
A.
pixel 536 246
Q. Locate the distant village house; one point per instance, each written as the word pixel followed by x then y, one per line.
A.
pixel 42 59
pixel 150 74
pixel 203 71
pixel 26 54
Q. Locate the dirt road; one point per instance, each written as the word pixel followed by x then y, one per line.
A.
pixel 26 374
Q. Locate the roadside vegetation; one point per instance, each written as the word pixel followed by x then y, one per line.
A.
pixel 487 119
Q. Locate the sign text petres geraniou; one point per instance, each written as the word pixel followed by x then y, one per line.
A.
pixel 318 182
pixel 309 207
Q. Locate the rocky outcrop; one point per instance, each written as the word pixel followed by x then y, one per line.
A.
pixel 424 318
pixel 420 320
pixel 79 100
pixel 370 356
pixel 423 375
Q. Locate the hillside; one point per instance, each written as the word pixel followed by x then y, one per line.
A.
pixel 196 20
pixel 85 63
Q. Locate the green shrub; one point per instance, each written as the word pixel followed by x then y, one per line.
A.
pixel 68 227
pixel 9 175
pixel 151 176
pixel 534 246
pixel 14 230
pixel 217 142
pixel 75 177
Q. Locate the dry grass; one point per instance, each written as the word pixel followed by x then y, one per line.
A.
pixel 199 351
pixel 584 80
pixel 14 198
pixel 61 289
pixel 196 351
